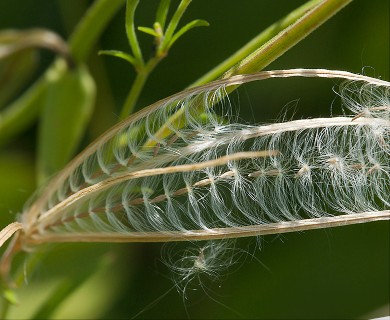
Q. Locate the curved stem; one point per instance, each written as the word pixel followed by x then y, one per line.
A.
pixel 131 36
pixel 35 38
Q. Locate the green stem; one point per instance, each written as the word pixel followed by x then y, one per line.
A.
pixel 288 37
pixel 22 112
pixel 143 71
pixel 306 21
pixel 139 83
pixel 133 95
pixel 255 43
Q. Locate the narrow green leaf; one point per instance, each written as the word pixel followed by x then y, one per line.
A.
pixel 119 54
pixel 131 5
pixel 187 27
pixel 147 30
pixel 173 23
pixel 67 109
pixel 162 12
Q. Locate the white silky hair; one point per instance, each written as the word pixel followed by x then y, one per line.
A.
pixel 331 169
pixel 215 173
pixel 197 263
pixel 366 99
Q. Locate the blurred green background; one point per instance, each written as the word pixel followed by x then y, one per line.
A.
pixel 341 273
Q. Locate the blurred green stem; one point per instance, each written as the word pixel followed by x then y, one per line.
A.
pixel 322 10
pixel 289 37
pixel 91 26
pixel 22 112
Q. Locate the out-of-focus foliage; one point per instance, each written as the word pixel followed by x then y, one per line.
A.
pixel 338 273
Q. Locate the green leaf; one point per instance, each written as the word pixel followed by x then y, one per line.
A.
pixel 187 27
pixel 162 12
pixel 173 24
pixel 149 31
pixel 68 105
pixel 131 5
pixel 119 54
